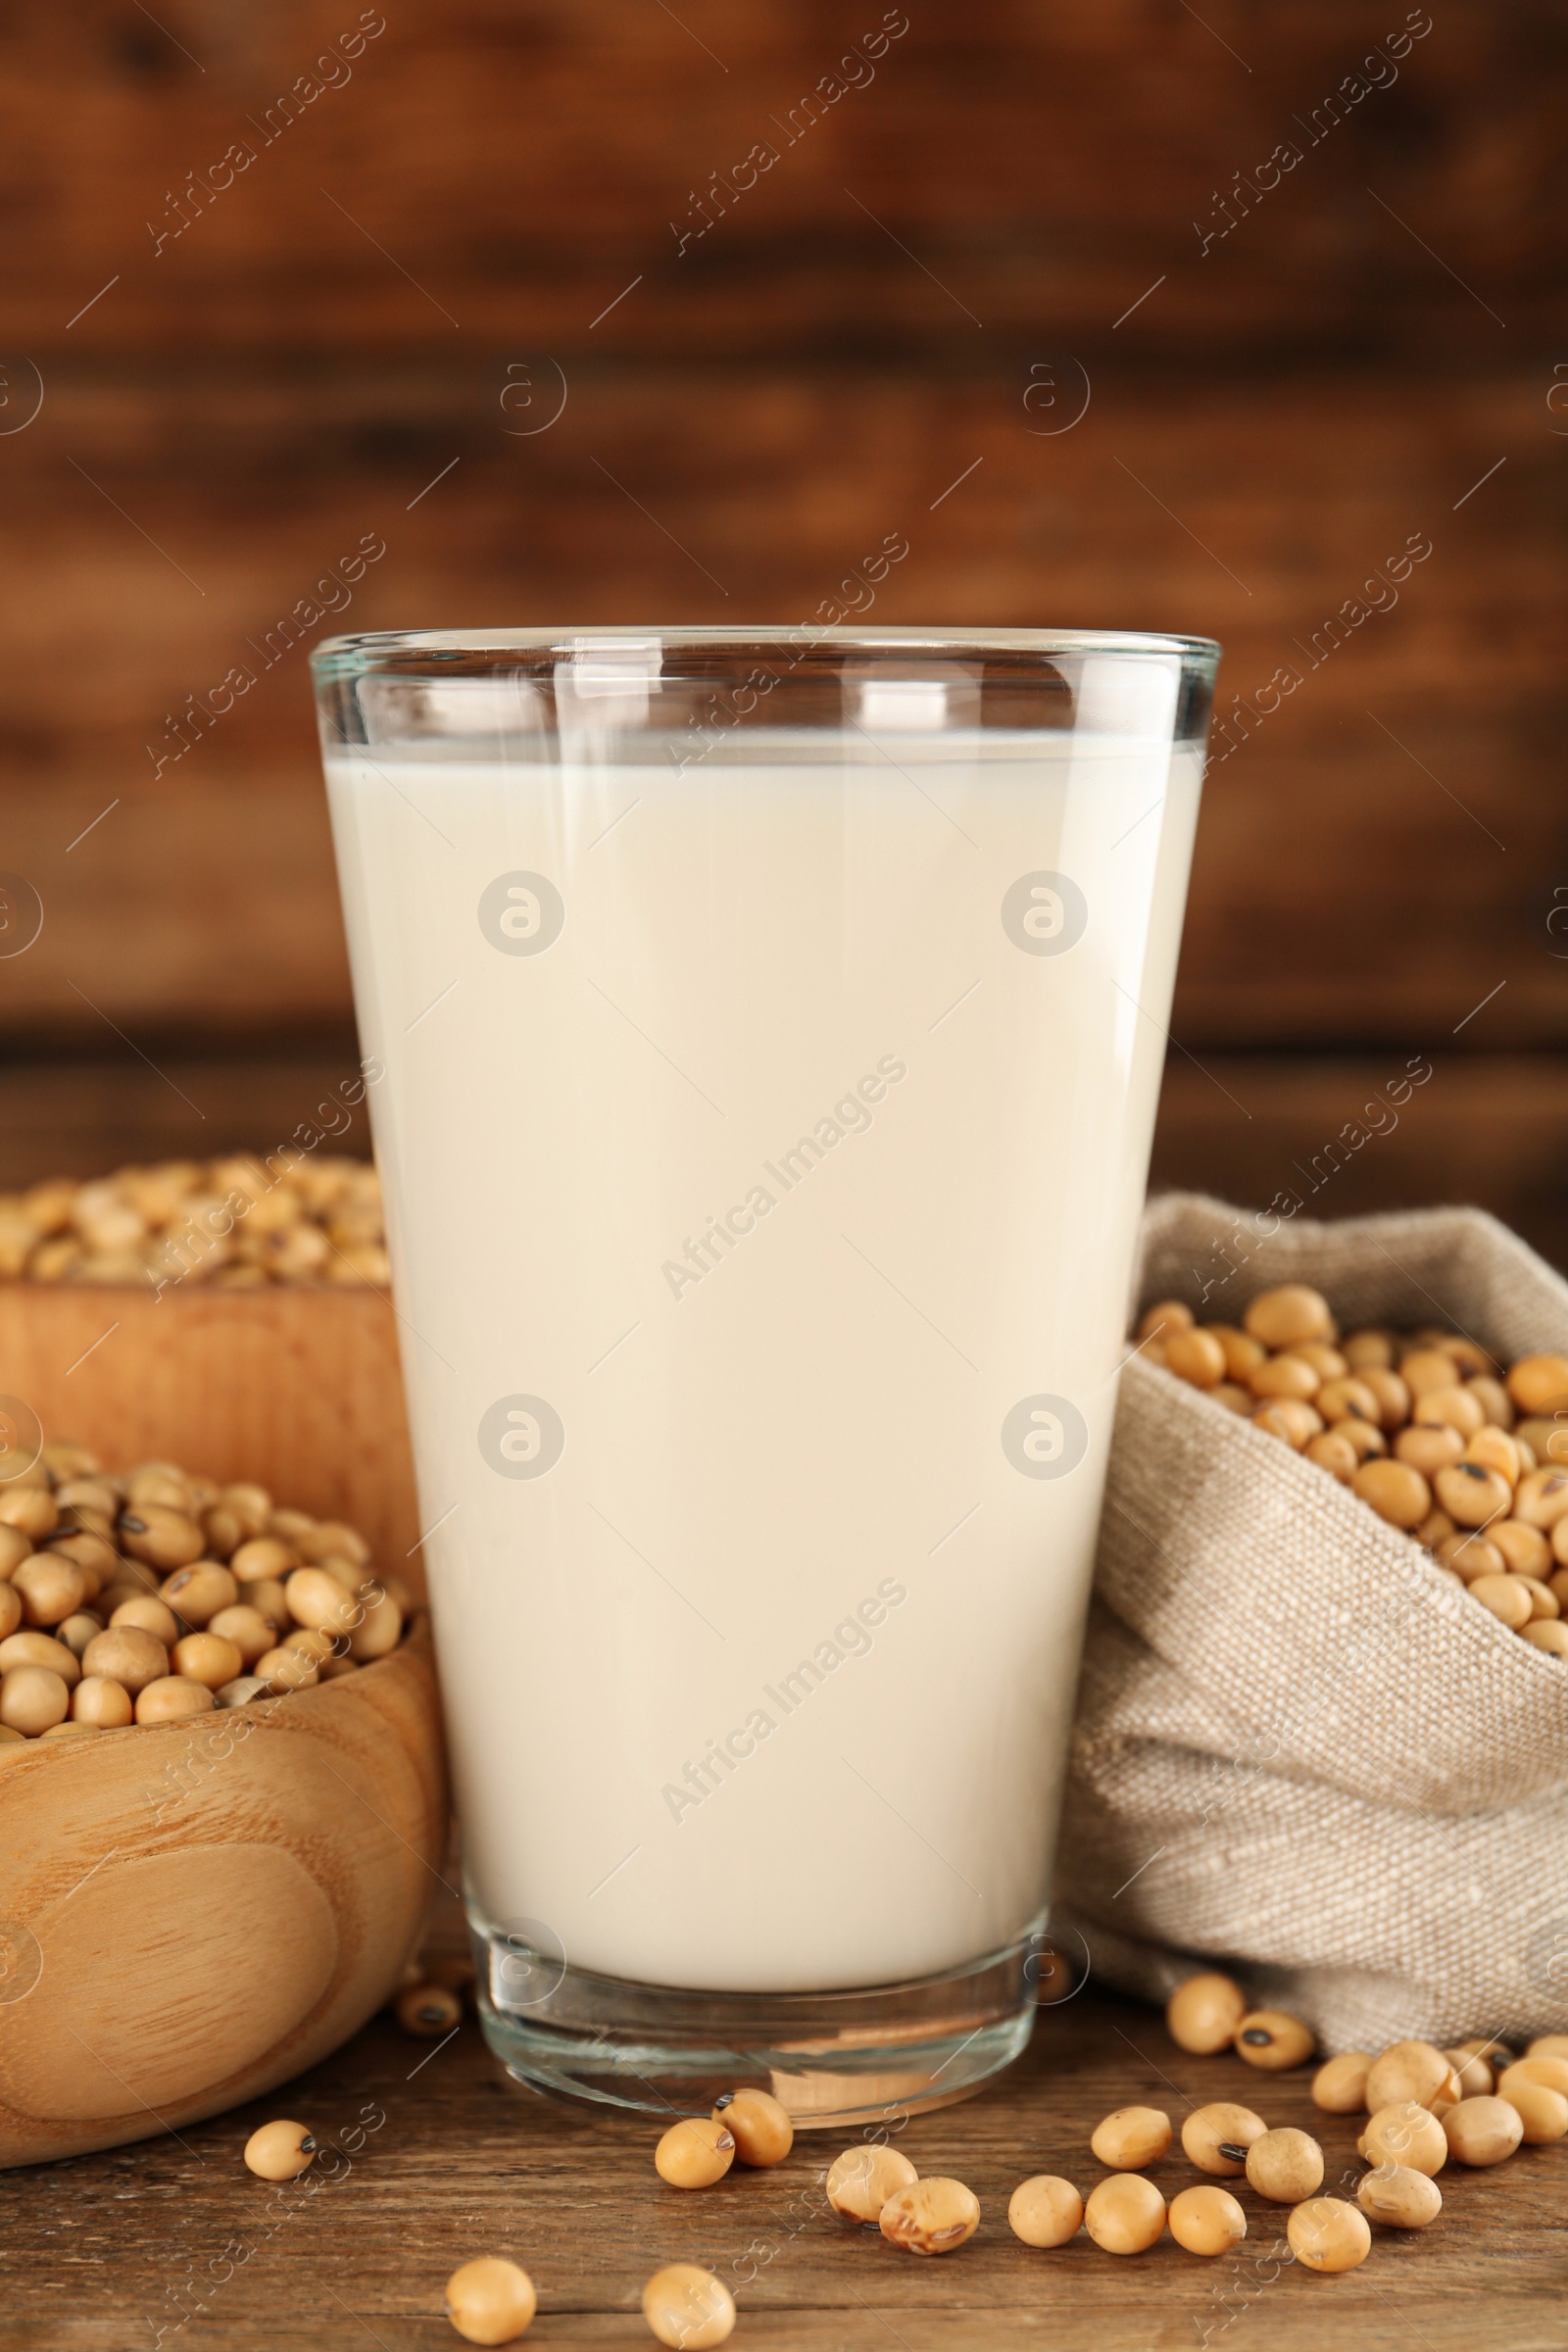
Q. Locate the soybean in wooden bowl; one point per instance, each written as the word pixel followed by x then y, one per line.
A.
pixel 205 1899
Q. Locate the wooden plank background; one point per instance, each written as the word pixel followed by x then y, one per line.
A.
pixel 367 331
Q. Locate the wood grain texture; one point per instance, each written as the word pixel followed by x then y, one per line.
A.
pixel 1412 771
pixel 1488 1130
pixel 299 1389
pixel 180 2238
pixel 526 159
pixel 97 1111
pixel 197 1910
pixel 324 352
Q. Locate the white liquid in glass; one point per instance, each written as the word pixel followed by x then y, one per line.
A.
pixel 782 1173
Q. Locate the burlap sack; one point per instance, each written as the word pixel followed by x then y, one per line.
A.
pixel 1301 1748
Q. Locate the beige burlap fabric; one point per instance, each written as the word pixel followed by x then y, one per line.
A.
pixel 1301 1748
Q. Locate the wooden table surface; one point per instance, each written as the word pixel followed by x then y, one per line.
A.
pixel 172 2243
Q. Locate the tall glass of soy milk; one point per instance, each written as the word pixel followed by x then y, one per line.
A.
pixel 765 1031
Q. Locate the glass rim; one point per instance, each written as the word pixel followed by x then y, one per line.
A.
pixel 359 654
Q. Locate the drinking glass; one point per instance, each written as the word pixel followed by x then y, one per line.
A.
pixel 765 1029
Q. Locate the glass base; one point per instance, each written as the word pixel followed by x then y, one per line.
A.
pixel 831 2058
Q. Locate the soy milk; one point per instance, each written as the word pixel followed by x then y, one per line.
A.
pixel 764 1148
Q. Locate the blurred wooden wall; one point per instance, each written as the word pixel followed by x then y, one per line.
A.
pixel 365 329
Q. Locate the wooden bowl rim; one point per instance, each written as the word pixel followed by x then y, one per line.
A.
pixel 417 1639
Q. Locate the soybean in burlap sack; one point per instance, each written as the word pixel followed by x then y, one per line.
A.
pixel 1301 1748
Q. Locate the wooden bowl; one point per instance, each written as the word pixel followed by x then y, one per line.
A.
pixel 299 1389
pixel 192 1912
